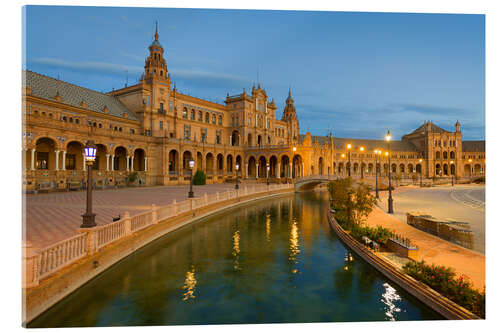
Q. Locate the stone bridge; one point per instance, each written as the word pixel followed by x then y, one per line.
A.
pixel 309 182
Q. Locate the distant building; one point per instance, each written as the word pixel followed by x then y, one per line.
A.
pixel 154 130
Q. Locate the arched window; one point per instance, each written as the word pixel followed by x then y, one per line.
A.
pixel 220 120
pixel 445 155
pixel 200 116
pixel 184 113
pixel 213 119
pixel 207 118
pixel 193 115
pixel 452 155
pixel 438 155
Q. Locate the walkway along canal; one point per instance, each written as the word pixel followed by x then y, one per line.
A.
pixel 272 261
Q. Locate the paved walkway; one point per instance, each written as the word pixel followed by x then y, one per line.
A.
pixel 435 250
pixel 53 217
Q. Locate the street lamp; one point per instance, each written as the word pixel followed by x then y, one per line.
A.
pixel 236 187
pixel 361 149
pixel 191 166
pixel 377 166
pixel 470 169
pixel 343 157
pixel 267 176
pixel 420 160
pixel 90 154
pixel 388 137
pixel 349 160
pixel 452 171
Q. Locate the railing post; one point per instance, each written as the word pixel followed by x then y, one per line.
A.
pixel 217 196
pixel 191 203
pixel 127 223
pixel 154 214
pixel 174 204
pixel 205 197
pixel 91 246
pixel 30 266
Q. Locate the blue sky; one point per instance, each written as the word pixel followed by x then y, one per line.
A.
pixel 357 74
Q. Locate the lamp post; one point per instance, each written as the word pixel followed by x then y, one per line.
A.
pixel 377 163
pixel 267 175
pixel 236 187
pixel 390 209
pixel 90 154
pixel 191 193
pixel 452 171
pixel 343 157
pixel 420 160
pixel 361 149
pixel 470 169
pixel 349 159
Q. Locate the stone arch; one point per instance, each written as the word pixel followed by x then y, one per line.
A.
pixel 262 167
pixel 452 169
pixel 229 163
pixel 285 171
pixel 438 155
pixel 410 168
pixel 438 169
pixel 199 161
pixel 394 168
pixel 452 155
pixel 355 167
pixel 341 167
pixel 445 155
pixel 238 161
pixel 320 165
pixel 297 166
pixel 370 168
pixel 120 159
pixel 252 167
pixel 445 169
pixel 401 168
pixel 220 163
pixel 259 140
pixel 74 155
pixel 273 164
pixel 173 161
pixel 139 159
pixel 45 156
pixel 418 167
pixel 100 160
pixel 477 169
pixel 209 164
pixel 249 139
pixel 468 170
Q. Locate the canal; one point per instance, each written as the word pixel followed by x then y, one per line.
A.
pixel 275 261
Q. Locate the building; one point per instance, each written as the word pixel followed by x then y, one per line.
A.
pixel 153 130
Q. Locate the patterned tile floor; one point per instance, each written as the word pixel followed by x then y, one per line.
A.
pixel 52 217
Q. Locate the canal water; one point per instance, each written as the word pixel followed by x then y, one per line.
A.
pixel 275 261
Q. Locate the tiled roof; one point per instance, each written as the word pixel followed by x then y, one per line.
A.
pixel 434 129
pixel 471 146
pixel 370 145
pixel 47 87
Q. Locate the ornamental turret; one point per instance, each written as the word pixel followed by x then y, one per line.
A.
pixel 155 65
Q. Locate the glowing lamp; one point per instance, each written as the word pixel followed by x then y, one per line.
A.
pixel 191 164
pixel 90 152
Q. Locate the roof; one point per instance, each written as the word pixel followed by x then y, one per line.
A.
pixel 370 145
pixel 47 87
pixel 434 129
pixel 471 146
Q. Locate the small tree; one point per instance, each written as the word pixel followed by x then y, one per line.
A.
pixel 132 177
pixel 352 203
pixel 199 178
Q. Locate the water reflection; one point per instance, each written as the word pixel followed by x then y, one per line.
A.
pixel 236 250
pixel 294 242
pixel 268 227
pixel 189 284
pixel 388 297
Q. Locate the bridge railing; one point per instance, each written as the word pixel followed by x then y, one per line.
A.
pixel 44 262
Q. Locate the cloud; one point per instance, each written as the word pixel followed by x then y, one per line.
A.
pixel 94 67
pixel 210 79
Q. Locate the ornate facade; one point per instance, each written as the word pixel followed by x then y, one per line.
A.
pixel 154 130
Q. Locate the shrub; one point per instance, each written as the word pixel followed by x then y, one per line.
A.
pixel 480 180
pixel 199 178
pixel 442 279
pixel 132 177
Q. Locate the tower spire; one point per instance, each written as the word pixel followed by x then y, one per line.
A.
pixel 156 31
pixel 290 91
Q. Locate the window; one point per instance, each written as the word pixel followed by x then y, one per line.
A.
pixel 207 118
pixel 220 120
pixel 200 116
pixel 100 125
pixel 203 135
pixel 237 120
pixel 193 115
pixel 184 113
pixel 120 129
pixel 132 131
pixel 116 163
pixel 218 137
pixel 214 119
pixel 64 118
pixel 77 121
pixel 42 160
pixel 70 119
pixel 187 132
pixel 161 124
pixel 161 109
pixel 147 100
pixel 70 161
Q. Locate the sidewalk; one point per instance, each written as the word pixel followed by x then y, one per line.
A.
pixel 435 250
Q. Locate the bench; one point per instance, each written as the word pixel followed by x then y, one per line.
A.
pixel 74 185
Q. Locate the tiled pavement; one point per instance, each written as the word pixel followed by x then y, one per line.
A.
pixel 53 217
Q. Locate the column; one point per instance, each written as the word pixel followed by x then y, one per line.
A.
pixel 257 170
pixel 112 162
pixel 84 164
pixel 145 163
pixel 279 171
pixel 132 164
pixel 302 171
pixel 107 162
pixel 290 168
pixel 64 160
pixel 230 140
pixel 33 158
pixel 246 168
pixel 57 160
pixel 128 161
